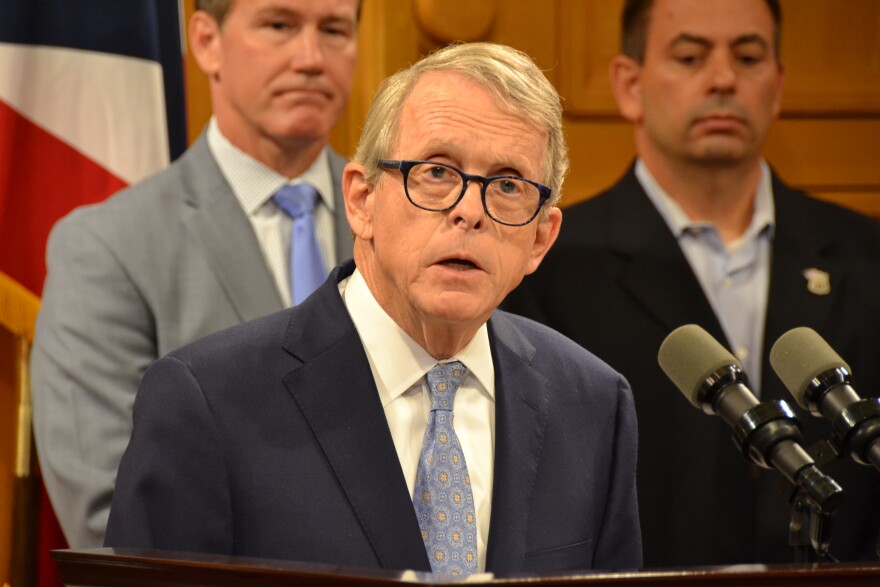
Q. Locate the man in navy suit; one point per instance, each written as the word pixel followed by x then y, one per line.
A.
pixel 299 435
pixel 700 230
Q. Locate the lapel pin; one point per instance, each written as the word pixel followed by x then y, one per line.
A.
pixel 818 281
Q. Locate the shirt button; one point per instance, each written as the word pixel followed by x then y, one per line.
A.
pixel 742 353
pixel 726 282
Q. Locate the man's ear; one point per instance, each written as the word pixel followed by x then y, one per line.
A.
pixel 545 235
pixel 624 73
pixel 204 42
pixel 358 195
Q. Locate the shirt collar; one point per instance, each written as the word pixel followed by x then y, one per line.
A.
pixel 397 361
pixel 763 216
pixel 253 183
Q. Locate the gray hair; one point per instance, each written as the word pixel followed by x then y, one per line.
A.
pixel 511 75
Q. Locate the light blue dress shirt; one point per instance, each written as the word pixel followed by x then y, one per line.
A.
pixel 735 277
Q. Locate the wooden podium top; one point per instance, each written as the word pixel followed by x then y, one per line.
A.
pixel 108 567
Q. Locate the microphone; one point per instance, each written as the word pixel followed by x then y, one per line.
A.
pixel 820 382
pixel 767 433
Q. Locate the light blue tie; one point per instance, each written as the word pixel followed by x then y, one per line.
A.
pixel 443 499
pixel 307 269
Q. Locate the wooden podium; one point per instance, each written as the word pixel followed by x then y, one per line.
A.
pixel 107 567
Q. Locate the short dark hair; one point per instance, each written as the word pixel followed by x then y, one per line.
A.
pixel 219 9
pixel 636 17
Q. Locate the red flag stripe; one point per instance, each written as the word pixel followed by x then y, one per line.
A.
pixel 42 179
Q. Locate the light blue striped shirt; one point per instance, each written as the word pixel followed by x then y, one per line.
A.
pixel 736 276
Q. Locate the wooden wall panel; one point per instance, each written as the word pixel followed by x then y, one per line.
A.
pixel 867 202
pixel 827 153
pixel 832 51
pixel 525 24
pixel 828 140
pixel 589 32
pixel 600 150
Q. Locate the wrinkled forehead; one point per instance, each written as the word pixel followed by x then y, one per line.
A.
pixel 451 114
pixel 457 96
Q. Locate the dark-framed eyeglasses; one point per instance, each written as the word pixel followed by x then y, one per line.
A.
pixel 437 187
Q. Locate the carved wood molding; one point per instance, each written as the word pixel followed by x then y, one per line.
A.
pixel 445 21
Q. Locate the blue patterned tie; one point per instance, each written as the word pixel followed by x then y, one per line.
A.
pixel 307 269
pixel 443 499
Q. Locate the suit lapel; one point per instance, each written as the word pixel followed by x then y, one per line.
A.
pixel 652 256
pixel 520 418
pixel 216 220
pixel 213 214
pixel 335 391
pixel 656 273
pixel 800 245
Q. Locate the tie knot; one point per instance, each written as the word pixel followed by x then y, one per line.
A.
pixel 443 382
pixel 296 200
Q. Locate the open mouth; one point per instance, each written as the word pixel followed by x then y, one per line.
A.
pixel 459 264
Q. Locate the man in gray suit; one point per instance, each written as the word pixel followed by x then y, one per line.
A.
pixel 199 247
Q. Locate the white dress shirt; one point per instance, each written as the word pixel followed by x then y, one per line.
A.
pixel 399 366
pixel 735 277
pixel 254 184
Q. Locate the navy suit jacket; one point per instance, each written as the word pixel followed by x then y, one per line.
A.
pixel 268 439
pixel 617 282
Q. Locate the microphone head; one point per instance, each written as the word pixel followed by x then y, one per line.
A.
pixel 689 356
pixel 799 356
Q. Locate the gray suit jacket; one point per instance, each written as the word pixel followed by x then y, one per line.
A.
pixel 156 266
pixel 269 440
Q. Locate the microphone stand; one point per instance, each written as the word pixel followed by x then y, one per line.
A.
pixel 809 531
pixel 760 432
pixel 813 508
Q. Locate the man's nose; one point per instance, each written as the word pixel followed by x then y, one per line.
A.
pixel 308 53
pixel 469 209
pixel 722 73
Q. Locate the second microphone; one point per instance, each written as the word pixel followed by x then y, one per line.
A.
pixel 767 433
